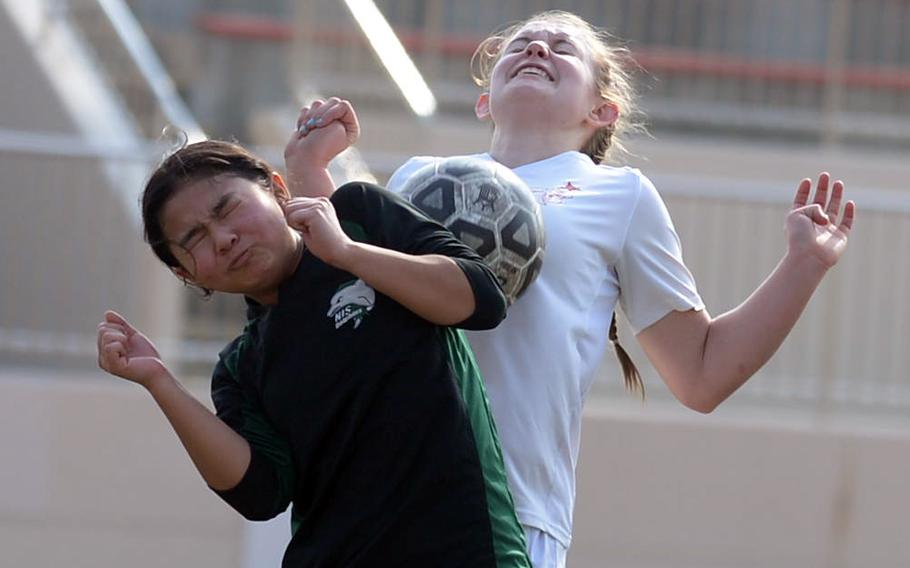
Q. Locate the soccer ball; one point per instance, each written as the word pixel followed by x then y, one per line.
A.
pixel 490 209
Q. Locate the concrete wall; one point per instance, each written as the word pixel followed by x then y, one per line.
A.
pixel 661 487
pixel 93 477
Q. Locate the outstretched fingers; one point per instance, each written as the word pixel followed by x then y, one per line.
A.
pixel 802 193
pixel 821 189
pixel 846 222
pixel 837 193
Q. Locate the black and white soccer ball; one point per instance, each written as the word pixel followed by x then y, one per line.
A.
pixel 490 209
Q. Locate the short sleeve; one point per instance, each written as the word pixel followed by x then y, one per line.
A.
pixel 653 280
pixel 391 222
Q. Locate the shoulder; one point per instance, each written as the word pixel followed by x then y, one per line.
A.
pixel 630 183
pixel 626 177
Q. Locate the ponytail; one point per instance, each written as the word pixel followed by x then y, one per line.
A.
pixel 631 376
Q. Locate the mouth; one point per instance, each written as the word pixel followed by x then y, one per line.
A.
pixel 239 260
pixel 533 70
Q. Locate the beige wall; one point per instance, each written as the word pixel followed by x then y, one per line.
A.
pixel 93 477
pixel 660 487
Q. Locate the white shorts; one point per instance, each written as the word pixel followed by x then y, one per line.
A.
pixel 544 550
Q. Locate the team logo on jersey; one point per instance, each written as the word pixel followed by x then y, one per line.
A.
pixel 556 195
pixel 352 302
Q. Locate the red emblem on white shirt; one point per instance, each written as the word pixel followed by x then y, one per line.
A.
pixel 556 195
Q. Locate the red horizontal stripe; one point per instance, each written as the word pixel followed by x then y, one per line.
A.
pixel 653 59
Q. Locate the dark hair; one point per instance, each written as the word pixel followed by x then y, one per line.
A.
pixel 192 163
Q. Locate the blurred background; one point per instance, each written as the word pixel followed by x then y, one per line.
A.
pixel 805 466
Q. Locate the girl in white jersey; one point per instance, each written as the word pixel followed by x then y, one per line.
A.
pixel 559 101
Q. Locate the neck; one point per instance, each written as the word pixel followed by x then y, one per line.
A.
pixel 517 146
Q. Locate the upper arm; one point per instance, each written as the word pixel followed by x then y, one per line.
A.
pixel 653 279
pixel 675 346
pixel 395 224
pixel 658 294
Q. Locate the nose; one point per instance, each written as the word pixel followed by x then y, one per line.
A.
pixel 538 48
pixel 224 238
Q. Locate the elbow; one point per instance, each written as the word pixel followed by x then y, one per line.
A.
pixel 254 509
pixel 485 315
pixel 259 514
pixel 701 405
pixel 493 312
pixel 697 399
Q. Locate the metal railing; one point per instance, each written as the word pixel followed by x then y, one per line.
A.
pixel 828 70
pixel 132 66
pixel 848 349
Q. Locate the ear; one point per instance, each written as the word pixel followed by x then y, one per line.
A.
pixel 603 115
pixel 482 107
pixel 280 187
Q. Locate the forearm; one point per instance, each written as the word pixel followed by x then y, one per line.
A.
pixel 220 454
pixel 310 181
pixel 705 360
pixel 431 286
pixel 739 342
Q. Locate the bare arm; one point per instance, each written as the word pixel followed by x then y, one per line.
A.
pixel 432 286
pixel 704 360
pixel 220 455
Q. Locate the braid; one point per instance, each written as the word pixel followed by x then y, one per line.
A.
pixel 631 376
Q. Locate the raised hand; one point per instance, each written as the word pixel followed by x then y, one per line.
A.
pixel 324 130
pixel 125 352
pixel 318 224
pixel 820 229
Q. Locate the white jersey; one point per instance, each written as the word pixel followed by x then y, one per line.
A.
pixel 609 238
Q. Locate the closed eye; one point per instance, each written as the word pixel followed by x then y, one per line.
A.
pixel 193 239
pixel 230 208
pixel 517 45
pixel 564 47
pixel 225 206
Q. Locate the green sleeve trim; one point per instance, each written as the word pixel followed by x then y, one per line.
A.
pixel 508 536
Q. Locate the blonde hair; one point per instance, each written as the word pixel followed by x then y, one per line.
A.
pixel 612 76
pixel 614 84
